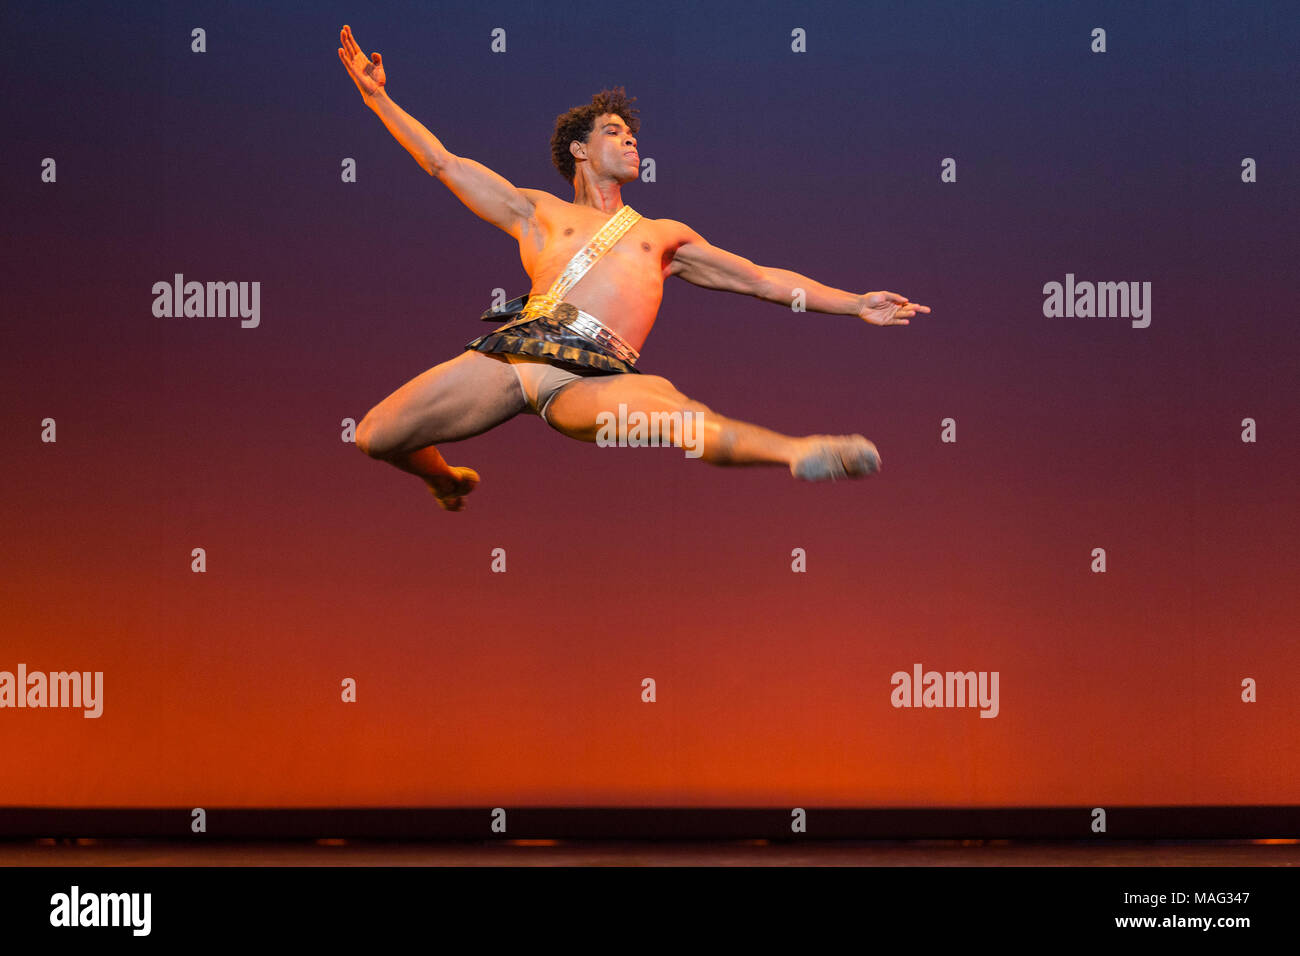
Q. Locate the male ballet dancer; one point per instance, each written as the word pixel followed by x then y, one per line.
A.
pixel 570 358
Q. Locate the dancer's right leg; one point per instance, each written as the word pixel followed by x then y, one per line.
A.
pixel 460 398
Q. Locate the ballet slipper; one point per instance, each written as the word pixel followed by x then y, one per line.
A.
pixel 831 457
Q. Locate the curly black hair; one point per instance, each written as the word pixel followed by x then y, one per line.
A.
pixel 580 121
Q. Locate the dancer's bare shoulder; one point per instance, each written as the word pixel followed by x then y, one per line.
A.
pixel 542 200
pixel 552 213
pixel 692 257
pixel 676 234
pixel 534 228
pixel 553 208
pixel 545 207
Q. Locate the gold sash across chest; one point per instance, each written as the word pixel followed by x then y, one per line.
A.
pixel 552 302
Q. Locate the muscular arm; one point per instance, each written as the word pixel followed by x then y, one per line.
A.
pixel 424 147
pixel 703 264
pixel 781 283
pixel 488 195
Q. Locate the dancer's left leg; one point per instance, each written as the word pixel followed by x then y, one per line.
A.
pixel 577 408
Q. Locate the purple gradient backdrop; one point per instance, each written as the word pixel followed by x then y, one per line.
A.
pixel 773 687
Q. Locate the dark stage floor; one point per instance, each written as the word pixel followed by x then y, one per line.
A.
pixel 573 853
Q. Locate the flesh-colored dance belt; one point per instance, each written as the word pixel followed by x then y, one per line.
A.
pixel 552 304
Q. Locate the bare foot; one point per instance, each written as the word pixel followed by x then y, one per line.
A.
pixel 835 457
pixel 450 492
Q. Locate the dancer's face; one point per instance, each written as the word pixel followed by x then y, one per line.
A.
pixel 611 149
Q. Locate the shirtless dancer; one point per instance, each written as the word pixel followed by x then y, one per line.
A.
pixel 575 361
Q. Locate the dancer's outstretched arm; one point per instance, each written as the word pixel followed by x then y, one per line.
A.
pixel 488 195
pixel 704 264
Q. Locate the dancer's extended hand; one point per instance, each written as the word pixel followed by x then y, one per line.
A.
pixel 367 74
pixel 887 308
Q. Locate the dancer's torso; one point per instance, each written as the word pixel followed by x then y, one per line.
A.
pixel 624 288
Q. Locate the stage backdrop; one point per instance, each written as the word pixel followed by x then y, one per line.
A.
pixel 1096 510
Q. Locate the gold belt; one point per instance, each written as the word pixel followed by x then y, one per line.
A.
pixel 586 325
pixel 591 327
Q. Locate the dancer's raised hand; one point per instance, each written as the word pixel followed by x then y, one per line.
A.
pixel 367 74
pixel 887 308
